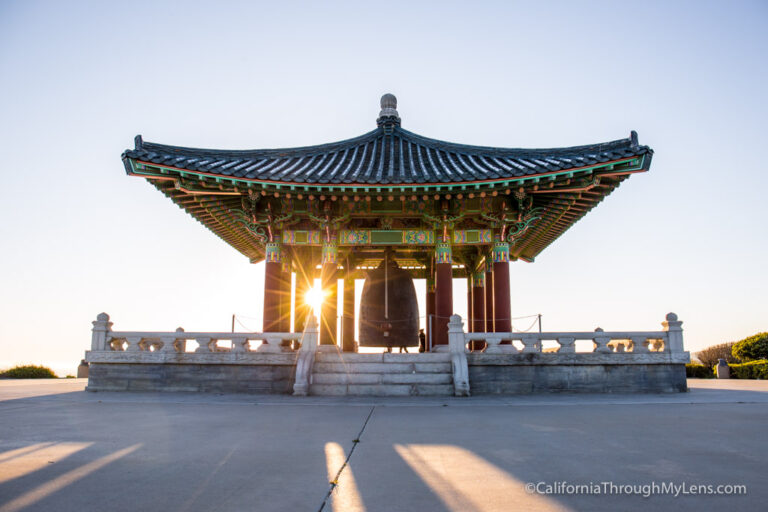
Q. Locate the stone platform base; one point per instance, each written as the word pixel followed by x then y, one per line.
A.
pixel 388 374
pixel 576 373
pixel 207 378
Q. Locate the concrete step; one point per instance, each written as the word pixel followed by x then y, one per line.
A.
pixel 382 378
pixel 348 357
pixel 388 367
pixel 381 390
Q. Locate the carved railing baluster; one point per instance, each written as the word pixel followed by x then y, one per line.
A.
pixel 567 345
pixel 601 342
pixel 639 344
pixel 132 343
pixel 203 344
pixel 531 343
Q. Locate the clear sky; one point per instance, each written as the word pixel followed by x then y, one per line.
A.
pixel 79 79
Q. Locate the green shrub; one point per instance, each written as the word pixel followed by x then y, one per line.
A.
pixel 711 355
pixel 28 372
pixel 698 371
pixel 750 370
pixel 752 348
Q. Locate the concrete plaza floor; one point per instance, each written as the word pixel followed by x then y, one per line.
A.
pixel 65 449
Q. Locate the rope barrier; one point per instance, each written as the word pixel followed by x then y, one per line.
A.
pixel 244 326
pixel 529 327
pixel 521 317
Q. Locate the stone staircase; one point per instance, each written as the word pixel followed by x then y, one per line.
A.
pixel 395 374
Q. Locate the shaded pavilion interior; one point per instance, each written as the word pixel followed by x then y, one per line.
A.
pixel 435 209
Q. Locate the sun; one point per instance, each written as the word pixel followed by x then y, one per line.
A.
pixel 314 298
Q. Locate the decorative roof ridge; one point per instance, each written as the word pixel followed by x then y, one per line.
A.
pixel 630 142
pixel 141 145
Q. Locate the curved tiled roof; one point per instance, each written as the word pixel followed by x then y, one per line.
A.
pixel 384 156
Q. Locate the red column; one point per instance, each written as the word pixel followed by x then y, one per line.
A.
pixel 329 311
pixel 348 318
pixel 478 307
pixel 470 320
pixel 273 269
pixel 488 295
pixel 285 300
pixel 443 293
pixel 305 279
pixel 502 307
pixel 430 309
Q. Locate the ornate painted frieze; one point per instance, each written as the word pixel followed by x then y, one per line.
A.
pixel 302 237
pixel 355 237
pixel 472 236
pixel 418 237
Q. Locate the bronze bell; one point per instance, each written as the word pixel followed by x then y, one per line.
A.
pixel 389 311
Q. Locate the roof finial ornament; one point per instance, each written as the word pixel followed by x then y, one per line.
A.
pixel 388 117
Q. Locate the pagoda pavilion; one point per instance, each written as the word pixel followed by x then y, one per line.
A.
pixel 390 201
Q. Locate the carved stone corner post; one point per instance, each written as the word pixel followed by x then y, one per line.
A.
pixel 101 326
pixel 460 367
pixel 674 329
pixel 306 358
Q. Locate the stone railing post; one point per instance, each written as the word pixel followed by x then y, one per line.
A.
pixel 101 326
pixel 674 329
pixel 306 358
pixel 457 347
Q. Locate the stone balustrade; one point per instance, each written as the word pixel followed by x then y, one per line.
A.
pixel 620 361
pixel 163 361
pixel 105 339
pixel 669 340
pixel 627 361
